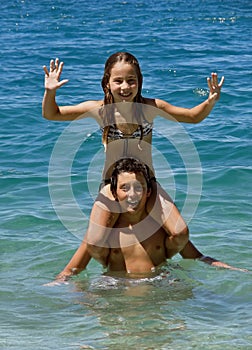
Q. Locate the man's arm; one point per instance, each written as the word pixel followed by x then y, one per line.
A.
pixel 191 252
pixel 78 263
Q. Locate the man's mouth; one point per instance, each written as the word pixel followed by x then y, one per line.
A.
pixel 132 203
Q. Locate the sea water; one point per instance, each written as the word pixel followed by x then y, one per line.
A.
pixel 206 167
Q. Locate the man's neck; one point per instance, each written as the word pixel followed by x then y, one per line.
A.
pixel 130 219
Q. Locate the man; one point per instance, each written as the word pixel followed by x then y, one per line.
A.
pixel 137 244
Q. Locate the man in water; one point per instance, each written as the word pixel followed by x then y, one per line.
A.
pixel 136 244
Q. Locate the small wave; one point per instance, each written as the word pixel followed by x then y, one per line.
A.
pixel 200 92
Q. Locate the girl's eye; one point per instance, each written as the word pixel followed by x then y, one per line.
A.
pixel 130 81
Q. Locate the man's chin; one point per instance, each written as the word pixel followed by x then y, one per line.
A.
pixel 130 209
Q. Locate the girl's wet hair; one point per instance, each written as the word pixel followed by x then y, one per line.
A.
pixel 129 165
pixel 108 113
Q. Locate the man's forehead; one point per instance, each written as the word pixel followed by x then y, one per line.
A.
pixel 129 177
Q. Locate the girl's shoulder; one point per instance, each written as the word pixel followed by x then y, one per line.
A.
pixel 151 109
pixel 154 102
pixel 90 108
pixel 149 101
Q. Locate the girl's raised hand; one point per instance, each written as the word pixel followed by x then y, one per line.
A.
pixel 52 77
pixel 214 86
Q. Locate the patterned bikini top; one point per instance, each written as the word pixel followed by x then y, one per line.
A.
pixel 116 134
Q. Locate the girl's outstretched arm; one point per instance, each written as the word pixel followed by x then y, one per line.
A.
pixel 197 113
pixel 50 109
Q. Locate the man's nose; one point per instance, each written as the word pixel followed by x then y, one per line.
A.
pixel 131 192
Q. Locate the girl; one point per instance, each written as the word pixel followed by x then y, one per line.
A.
pixel 126 119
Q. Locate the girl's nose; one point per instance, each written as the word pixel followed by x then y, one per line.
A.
pixel 124 85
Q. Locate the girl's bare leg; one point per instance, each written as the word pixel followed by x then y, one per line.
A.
pixel 104 215
pixel 94 243
pixel 161 207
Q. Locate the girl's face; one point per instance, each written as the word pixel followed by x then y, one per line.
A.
pixel 123 82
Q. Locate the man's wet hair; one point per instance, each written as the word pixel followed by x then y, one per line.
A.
pixel 129 165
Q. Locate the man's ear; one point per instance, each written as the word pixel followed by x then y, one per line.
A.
pixel 114 195
pixel 148 192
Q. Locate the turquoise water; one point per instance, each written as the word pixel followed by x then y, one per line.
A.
pixel 178 44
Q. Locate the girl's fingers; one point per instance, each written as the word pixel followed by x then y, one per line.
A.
pixel 213 82
pixel 56 63
pixel 61 67
pixel 56 66
pixel 222 81
pixel 63 82
pixel 209 83
pixel 46 70
pixel 52 65
pixel 214 79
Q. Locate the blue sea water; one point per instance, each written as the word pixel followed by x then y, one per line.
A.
pixel 178 44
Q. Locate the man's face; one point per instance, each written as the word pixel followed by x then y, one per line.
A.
pixel 132 192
